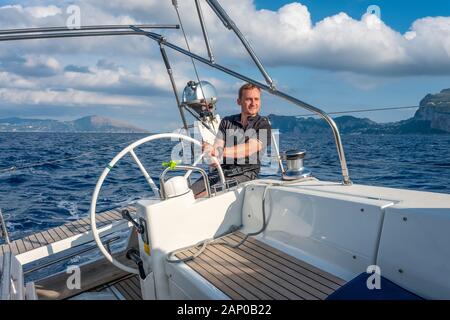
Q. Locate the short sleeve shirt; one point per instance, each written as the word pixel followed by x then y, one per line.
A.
pixel 233 132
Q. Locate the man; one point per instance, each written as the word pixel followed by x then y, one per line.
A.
pixel 240 142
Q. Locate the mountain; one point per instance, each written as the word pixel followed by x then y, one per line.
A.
pixel 435 109
pixel 432 117
pixel 101 124
pixel 85 124
pixel 346 124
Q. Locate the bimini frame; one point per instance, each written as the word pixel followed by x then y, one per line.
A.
pixel 121 30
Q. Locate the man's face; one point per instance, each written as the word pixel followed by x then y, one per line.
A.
pixel 250 102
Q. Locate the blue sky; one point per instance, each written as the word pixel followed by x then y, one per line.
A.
pixel 399 14
pixel 329 53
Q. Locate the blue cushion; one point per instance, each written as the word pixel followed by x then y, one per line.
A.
pixel 356 289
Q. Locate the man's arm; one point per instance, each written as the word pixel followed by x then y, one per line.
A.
pixel 243 150
pixel 255 144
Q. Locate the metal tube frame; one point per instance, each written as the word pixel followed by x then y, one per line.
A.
pixel 229 23
pixel 73 34
pixel 270 89
pixel 174 87
pixel 205 32
pixel 175 92
pixel 275 92
pixel 93 27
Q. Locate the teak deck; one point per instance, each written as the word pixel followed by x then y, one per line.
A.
pixel 128 288
pixel 256 271
pixel 65 231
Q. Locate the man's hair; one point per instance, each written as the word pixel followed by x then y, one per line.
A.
pixel 247 86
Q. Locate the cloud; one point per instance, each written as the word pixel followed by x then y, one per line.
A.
pixel 44 12
pixel 126 71
pixel 31 65
pixel 341 43
pixel 337 43
pixel 79 69
pixel 107 64
pixel 113 83
pixel 36 12
pixel 8 80
pixel 68 97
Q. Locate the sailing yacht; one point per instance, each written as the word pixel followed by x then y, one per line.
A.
pixel 292 238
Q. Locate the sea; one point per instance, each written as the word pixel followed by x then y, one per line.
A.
pixel 47 179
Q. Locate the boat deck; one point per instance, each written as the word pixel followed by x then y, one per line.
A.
pixel 43 238
pixel 115 285
pixel 256 271
pixel 126 288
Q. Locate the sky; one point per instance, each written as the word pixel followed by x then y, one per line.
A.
pixel 336 55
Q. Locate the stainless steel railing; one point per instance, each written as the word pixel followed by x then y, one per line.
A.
pixel 139 30
pixel 4 231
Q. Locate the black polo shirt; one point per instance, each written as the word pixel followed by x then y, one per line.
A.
pixel 233 132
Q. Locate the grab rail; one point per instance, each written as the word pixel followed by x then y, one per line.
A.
pixel 4 231
pixel 162 178
pixel 337 137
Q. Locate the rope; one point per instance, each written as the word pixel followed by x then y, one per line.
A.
pixel 219 241
pixel 358 111
pixel 202 245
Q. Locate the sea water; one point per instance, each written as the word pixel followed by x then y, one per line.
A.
pixel 43 193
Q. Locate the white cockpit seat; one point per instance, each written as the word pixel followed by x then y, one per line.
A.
pixel 253 271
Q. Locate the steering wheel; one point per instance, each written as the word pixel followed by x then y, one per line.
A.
pixel 120 155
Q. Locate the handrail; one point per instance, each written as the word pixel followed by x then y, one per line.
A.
pixel 71 34
pixel 93 27
pixel 3 230
pixel 162 178
pixel 340 148
pixel 270 89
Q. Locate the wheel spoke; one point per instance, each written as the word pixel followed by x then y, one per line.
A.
pixel 149 180
pixel 108 168
pixel 196 162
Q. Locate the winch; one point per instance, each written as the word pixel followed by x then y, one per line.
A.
pixel 295 165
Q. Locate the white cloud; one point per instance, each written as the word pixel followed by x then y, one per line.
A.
pixel 285 37
pixel 30 65
pixel 35 12
pixel 8 80
pixel 341 43
pixel 70 97
pixel 44 12
pixel 124 71
pixel 106 77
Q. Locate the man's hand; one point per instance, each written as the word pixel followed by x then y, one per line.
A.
pixel 207 148
pixel 210 151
